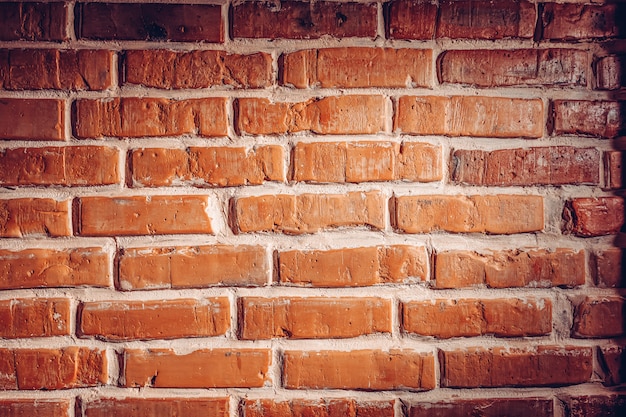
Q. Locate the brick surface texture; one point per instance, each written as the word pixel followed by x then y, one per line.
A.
pixel 332 208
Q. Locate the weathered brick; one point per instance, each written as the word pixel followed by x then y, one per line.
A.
pixel 485 407
pixel 34 317
pixel 349 115
pixel 354 267
pixel 571 22
pixel 193 267
pixel 496 214
pixel 613 171
pixel 611 72
pixel 33 21
pixel 357 67
pixel 504 269
pixel 593 118
pixel 359 369
pixel 206 368
pixel 283 213
pixel 145 215
pixel 32 119
pixel 533 67
pixel 445 318
pixel 612 360
pixel 609 405
pixel 197 69
pixel 55 69
pixel 36 407
pixel 145 21
pixel 599 317
pixel 527 367
pixel 303 20
pixel 496 117
pixel 587 217
pixel 151 407
pixel 136 117
pixel 69 166
pixel 28 217
pixel 366 161
pixel 313 318
pixel 607 268
pixel 163 319
pixel 214 166
pixel 327 407
pixel 51 369
pixel 553 165
pixel 409 19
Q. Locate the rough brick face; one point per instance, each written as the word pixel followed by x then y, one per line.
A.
pixel 612 361
pixel 32 119
pixel 27 217
pixel 611 405
pixel 599 317
pixel 587 217
pixel 39 407
pixel 608 268
pixel 613 170
pixel 142 407
pixel 496 407
pixel 572 22
pixel 326 408
pixel 610 72
pixel 593 118
pixel 33 21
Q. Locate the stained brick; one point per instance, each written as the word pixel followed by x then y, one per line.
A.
pixel 572 22
pixel 609 405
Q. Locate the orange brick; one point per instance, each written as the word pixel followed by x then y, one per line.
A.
pixel 587 217
pixel 51 369
pixel 492 407
pixel 136 117
pixel 283 213
pixel 151 215
pixel 613 170
pixel 38 407
pixel 357 68
pixel 34 21
pixel 34 317
pixel 592 118
pixel 495 117
pixel 32 119
pixel 28 217
pixel 599 317
pixel 444 318
pixel 313 318
pixel 197 69
pixel 509 367
pixel 215 166
pixel 193 267
pixel 366 161
pixel 70 166
pixel 354 267
pixel 340 407
pixel 348 115
pixel 215 368
pixel 578 21
pixel 150 407
pixel 359 369
pixel 496 214
pixel 607 268
pixel 163 319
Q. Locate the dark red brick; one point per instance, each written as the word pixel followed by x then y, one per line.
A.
pixel 33 21
pixel 496 407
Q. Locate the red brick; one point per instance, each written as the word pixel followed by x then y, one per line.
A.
pixel 495 214
pixel 599 317
pixel 609 405
pixel 193 267
pixel 554 165
pixel 577 21
pixel 528 367
pixel 354 267
pixel 366 161
pixel 610 72
pixel 197 69
pixel 533 67
pixel 613 170
pixel 32 119
pixel 303 20
pixel 326 407
pixel 69 166
pixel 283 213
pixel 214 166
pixel 483 407
pixel 504 269
pixel 51 369
pixel 496 117
pixel 313 318
pixel 357 67
pixel 599 216
pixel 410 19
pixel 371 370
pixel 593 118
pixel 206 368
pixel 612 360
pixel 145 215
pixel 32 21
pixel 162 319
pixel 136 117
pixel 33 268
pixel 349 115
pixel 55 69
pixel 445 318
pixel 154 22
pixel 607 268
pixel 34 317
pixel 151 407
pixel 37 407
pixel 29 217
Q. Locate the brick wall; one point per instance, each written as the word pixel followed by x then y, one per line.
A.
pixel 292 209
